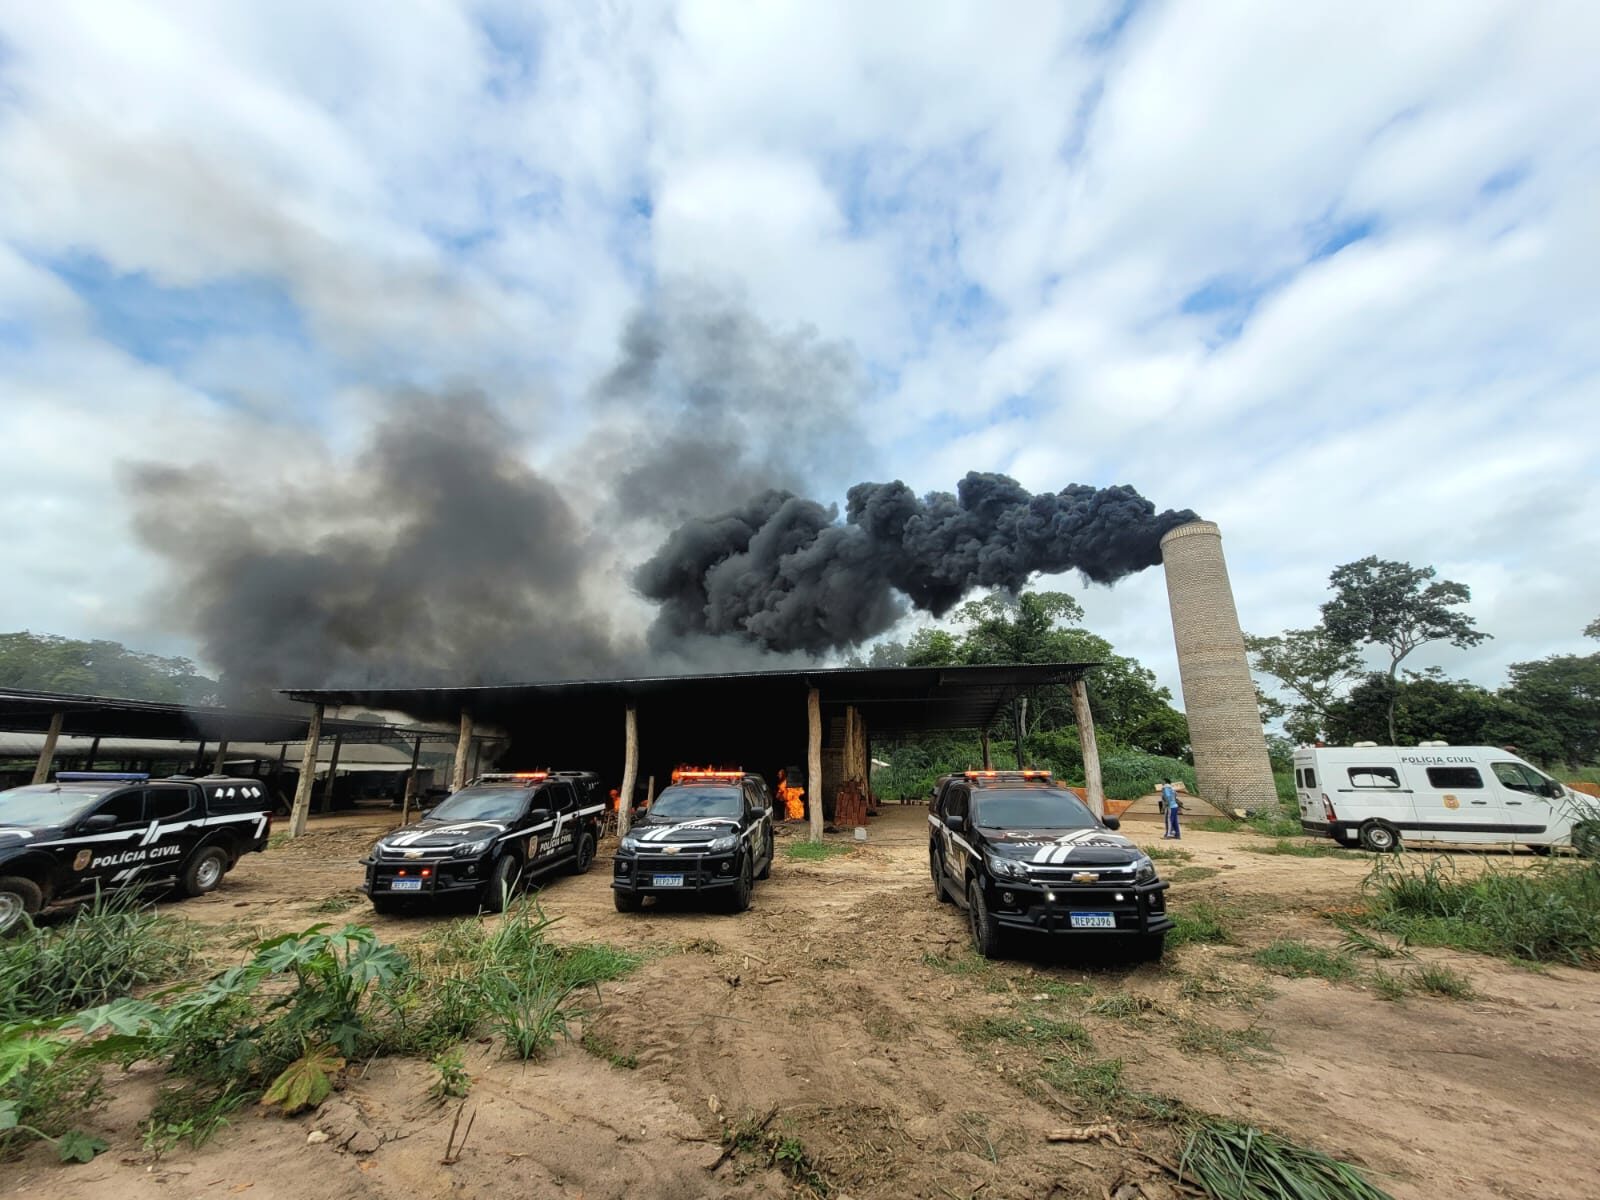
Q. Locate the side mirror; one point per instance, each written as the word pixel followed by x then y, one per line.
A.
pixel 538 815
pixel 98 823
pixel 1554 790
pixel 954 822
pixel 1111 823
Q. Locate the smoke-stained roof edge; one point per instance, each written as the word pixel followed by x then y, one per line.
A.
pixel 903 699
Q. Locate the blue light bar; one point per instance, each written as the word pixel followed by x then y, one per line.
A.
pixel 100 777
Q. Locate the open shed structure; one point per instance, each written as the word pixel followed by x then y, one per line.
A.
pixel 633 731
pixel 91 731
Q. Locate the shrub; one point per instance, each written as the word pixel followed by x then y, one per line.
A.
pixel 1202 922
pixel 1298 959
pixel 108 948
pixel 1550 913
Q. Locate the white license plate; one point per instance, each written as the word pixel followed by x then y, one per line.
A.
pixel 1092 920
pixel 667 881
pixel 405 885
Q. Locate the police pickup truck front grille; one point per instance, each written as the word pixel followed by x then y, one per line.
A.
pixel 414 854
pixel 1067 876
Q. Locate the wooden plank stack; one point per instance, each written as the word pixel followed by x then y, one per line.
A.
pixel 850 804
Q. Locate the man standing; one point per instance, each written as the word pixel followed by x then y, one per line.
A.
pixel 1170 809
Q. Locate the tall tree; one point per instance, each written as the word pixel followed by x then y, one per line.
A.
pixel 1592 629
pixel 1564 690
pixel 1430 707
pixel 1313 666
pixel 43 662
pixel 1399 607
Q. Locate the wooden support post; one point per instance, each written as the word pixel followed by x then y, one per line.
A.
pixel 220 766
pixel 94 751
pixel 458 772
pixel 308 774
pixel 1021 712
pixel 47 752
pixel 650 792
pixel 410 795
pixel 1091 751
pixel 333 771
pixel 199 759
pixel 987 761
pixel 814 762
pixel 630 768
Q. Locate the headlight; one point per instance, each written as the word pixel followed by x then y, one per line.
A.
pixel 473 849
pixel 1007 868
pixel 723 844
pixel 630 845
pixel 1144 871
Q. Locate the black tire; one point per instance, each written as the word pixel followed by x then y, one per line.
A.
pixel 386 905
pixel 502 885
pixel 584 859
pixel 766 866
pixel 1148 947
pixel 986 932
pixel 1380 837
pixel 627 902
pixel 1586 838
pixel 936 869
pixel 739 893
pixel 19 899
pixel 1542 850
pixel 205 871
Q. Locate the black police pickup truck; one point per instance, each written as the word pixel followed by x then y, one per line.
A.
pixel 94 831
pixel 709 832
pixel 489 839
pixel 1019 852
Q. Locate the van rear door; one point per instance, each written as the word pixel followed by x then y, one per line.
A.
pixel 1307 794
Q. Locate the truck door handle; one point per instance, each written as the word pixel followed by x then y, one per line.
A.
pixel 1483 802
pixel 1518 802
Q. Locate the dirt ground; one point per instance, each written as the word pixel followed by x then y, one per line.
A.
pixel 846 1009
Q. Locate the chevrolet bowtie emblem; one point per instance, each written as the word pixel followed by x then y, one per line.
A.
pixel 413 853
pixel 1085 877
pixel 669 849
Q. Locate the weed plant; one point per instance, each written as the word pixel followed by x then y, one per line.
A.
pixel 108 948
pixel 1302 849
pixel 1443 981
pixel 1301 960
pixel 1203 922
pixel 815 851
pixel 1548 913
pixel 1238 1162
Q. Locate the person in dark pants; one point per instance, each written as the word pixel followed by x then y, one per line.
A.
pixel 1170 808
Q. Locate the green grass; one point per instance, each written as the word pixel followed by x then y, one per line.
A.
pixel 1210 986
pixel 1358 941
pixel 1444 982
pixel 1388 985
pixel 1198 923
pixel 1283 821
pixel 1230 1161
pixel 1548 913
pixel 1217 825
pixel 1234 1045
pixel 815 851
pixel 1300 960
pixel 1123 1006
pixel 1167 854
pixel 1302 849
pixel 1099 1083
pixel 109 948
pixel 601 1046
pixel 337 904
pixel 1193 874
pixel 752 1139
pixel 1038 1032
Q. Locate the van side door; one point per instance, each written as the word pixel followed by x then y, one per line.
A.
pixel 176 821
pixel 112 856
pixel 958 803
pixel 563 802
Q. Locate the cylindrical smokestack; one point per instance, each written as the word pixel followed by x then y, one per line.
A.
pixel 1219 698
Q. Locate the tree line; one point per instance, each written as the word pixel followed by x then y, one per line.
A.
pixel 42 662
pixel 1323 690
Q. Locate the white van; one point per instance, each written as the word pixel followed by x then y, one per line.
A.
pixel 1374 796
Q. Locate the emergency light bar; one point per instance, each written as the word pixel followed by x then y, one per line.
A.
pixel 101 777
pixel 679 774
pixel 518 775
pixel 1029 774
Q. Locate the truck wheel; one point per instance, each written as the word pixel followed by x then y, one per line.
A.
pixel 585 856
pixel 1541 850
pixel 1148 947
pixel 626 901
pixel 205 871
pixel 19 898
pixel 502 884
pixel 739 894
pixel 986 933
pixel 1379 837
pixel 937 871
pixel 1586 839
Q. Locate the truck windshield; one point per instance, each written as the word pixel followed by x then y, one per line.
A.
pixel 45 804
pixel 698 802
pixel 1030 808
pixel 481 804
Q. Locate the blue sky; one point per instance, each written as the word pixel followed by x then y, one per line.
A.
pixel 1325 273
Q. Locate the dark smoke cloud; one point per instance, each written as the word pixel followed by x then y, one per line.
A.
pixel 781 572
pixel 439 555
pixel 707 405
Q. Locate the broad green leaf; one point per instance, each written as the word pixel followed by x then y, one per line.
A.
pixel 74 1146
pixel 305 1083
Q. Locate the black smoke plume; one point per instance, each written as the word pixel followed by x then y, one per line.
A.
pixel 783 573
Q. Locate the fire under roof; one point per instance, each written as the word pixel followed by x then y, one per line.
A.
pixel 893 700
